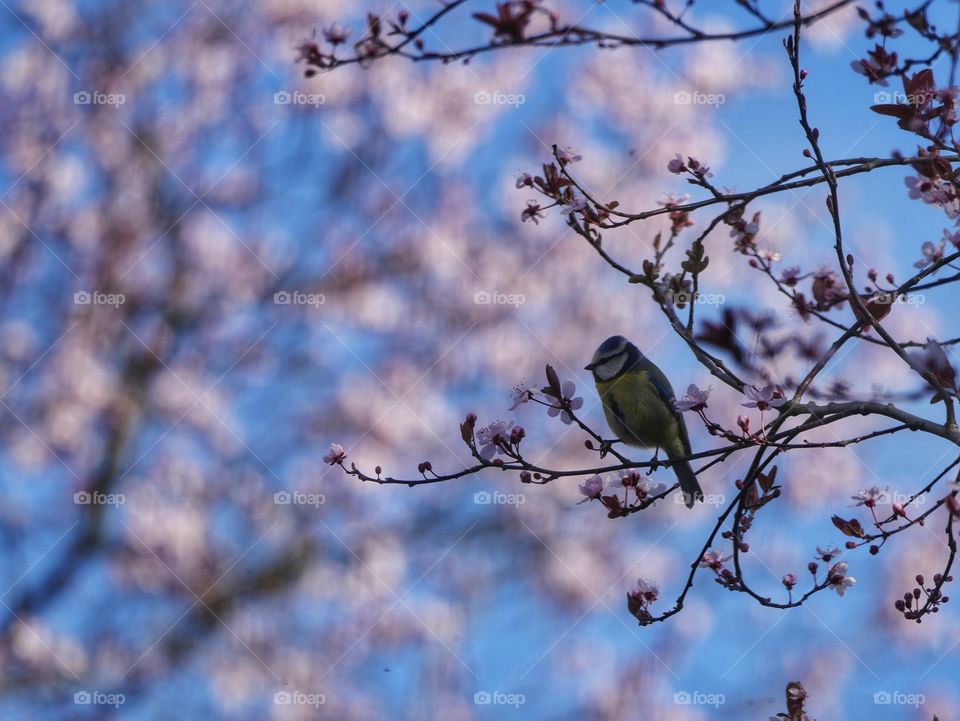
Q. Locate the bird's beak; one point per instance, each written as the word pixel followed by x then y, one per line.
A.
pixel 590 366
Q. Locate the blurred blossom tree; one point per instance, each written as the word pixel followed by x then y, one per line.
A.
pixel 211 268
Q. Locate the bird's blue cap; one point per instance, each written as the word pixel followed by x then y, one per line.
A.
pixel 612 346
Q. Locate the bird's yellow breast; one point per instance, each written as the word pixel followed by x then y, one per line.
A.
pixel 637 414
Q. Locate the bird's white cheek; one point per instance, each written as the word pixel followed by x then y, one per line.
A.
pixel 607 370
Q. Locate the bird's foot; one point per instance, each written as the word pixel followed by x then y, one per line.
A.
pixel 654 462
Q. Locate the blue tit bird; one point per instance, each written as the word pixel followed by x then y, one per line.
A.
pixel 638 403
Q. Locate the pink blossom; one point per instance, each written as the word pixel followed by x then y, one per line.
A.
pixel 915 186
pixel 827 554
pixel 639 599
pixel 524 180
pixel 931 254
pixel 642 486
pixel 533 212
pixel 790 276
pixel 713 560
pixel 762 398
pixel 649 590
pixel 336 455
pixel 870 496
pixel 568 155
pixel 335 35
pixel 839 580
pixel 520 394
pixel 693 400
pixel 592 488
pixel 567 390
pixel 491 437
pixel 934 192
pixel 698 168
pixel 577 202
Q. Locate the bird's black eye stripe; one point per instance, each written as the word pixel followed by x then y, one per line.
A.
pixel 608 358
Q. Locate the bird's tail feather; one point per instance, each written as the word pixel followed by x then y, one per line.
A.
pixel 688 483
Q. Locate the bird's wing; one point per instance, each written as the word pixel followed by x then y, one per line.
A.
pixel 662 384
